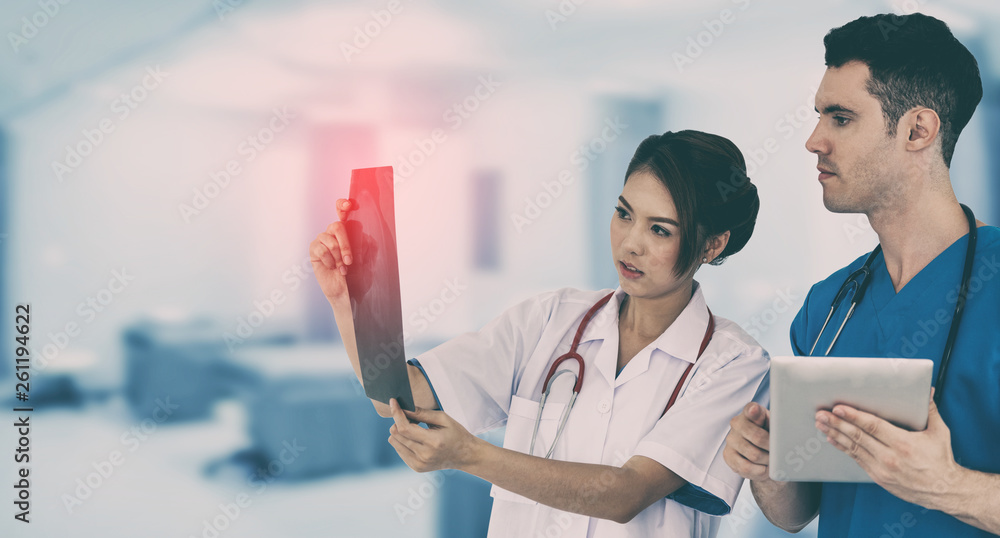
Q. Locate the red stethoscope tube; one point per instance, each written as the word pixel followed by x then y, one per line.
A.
pixel 573 355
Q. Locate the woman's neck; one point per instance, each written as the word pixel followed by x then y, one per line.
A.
pixel 648 318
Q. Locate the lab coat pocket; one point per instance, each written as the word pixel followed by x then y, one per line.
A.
pixel 520 425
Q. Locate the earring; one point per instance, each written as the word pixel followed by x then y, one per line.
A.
pixel 704 259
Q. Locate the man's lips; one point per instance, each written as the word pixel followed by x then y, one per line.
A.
pixel 824 173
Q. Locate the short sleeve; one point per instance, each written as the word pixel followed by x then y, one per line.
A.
pixel 473 375
pixel 690 438
pixel 798 332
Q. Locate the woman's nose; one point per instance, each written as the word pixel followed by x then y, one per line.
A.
pixel 632 242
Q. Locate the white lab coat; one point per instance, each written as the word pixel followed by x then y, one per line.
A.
pixel 494 377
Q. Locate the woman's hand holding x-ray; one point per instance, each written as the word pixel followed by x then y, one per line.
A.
pixel 445 444
pixel 330 254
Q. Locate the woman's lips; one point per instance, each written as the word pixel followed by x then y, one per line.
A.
pixel 629 273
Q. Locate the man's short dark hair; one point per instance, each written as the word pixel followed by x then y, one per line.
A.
pixel 915 61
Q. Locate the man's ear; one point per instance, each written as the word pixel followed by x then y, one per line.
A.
pixel 922 126
pixel 716 244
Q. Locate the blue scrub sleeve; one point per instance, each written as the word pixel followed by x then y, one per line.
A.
pixel 798 332
pixel 416 363
pixel 694 497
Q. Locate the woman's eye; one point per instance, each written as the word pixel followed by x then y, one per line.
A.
pixel 622 214
pixel 661 231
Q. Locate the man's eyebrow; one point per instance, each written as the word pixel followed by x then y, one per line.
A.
pixel 832 109
pixel 654 219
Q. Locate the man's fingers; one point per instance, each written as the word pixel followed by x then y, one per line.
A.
pixel 934 420
pixel 876 428
pixel 756 413
pixel 853 433
pixel 749 450
pixel 744 467
pixel 744 425
pixel 856 450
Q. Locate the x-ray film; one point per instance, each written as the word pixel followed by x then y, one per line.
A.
pixel 373 283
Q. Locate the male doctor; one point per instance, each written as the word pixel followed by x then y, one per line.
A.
pixel 896 94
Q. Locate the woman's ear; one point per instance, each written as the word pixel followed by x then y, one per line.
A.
pixel 715 245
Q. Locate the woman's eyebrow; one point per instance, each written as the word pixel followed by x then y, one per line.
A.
pixel 654 219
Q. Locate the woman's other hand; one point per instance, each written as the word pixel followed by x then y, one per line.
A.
pixel 445 444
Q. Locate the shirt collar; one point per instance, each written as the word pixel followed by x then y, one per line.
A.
pixel 681 340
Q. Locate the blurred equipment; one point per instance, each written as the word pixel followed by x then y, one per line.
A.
pixel 307 396
pixel 465 506
pixel 175 365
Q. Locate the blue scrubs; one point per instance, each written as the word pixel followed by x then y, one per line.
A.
pixel 915 323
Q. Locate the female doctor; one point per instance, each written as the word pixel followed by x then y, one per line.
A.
pixel 647 413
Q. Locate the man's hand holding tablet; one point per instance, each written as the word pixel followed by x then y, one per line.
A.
pixel 805 389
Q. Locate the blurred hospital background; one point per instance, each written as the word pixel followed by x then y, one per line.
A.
pixel 164 165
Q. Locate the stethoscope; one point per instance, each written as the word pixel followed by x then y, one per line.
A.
pixel 573 355
pixel 865 272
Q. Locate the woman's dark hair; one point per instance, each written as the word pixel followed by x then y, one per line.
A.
pixel 914 61
pixel 706 176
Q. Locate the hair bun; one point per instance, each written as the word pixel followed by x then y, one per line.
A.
pixel 741 218
pixel 735 209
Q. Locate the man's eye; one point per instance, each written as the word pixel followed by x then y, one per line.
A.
pixel 841 121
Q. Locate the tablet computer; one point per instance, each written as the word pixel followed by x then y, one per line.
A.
pixel 373 284
pixel 897 390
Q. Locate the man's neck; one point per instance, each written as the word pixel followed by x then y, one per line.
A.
pixel 917 231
